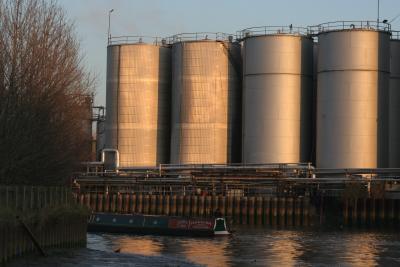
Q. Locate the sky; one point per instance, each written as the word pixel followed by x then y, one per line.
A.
pixel 168 17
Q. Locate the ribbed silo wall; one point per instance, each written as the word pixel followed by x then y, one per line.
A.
pixel 138 103
pixel 206 95
pixel 394 105
pixel 277 99
pixel 352 99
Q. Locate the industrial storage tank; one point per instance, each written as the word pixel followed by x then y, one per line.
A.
pixel 206 89
pixel 277 95
pixel 394 102
pixel 352 97
pixel 138 101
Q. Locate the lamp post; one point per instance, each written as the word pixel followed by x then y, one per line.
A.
pixel 109 20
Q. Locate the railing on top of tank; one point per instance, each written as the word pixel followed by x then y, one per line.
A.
pixel 349 25
pixel 395 35
pixel 137 39
pixel 269 30
pixel 198 36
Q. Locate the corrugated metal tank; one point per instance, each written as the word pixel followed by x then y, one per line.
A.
pixel 394 104
pixel 138 103
pixel 277 98
pixel 206 92
pixel 353 77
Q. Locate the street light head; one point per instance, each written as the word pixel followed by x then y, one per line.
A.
pixel 111 10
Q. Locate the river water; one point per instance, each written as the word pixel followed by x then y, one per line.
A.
pixel 264 247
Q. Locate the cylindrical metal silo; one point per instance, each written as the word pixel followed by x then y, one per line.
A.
pixel 394 102
pixel 352 97
pixel 138 103
pixel 277 95
pixel 206 92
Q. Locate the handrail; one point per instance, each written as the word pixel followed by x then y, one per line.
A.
pixel 199 36
pixel 272 30
pixel 395 35
pixel 137 39
pixel 349 25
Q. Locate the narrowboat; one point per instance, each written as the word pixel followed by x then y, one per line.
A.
pixel 157 224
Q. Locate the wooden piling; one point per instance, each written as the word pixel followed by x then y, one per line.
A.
pixel 259 208
pixel 140 203
pixel 146 204
pixel 167 205
pixel 346 211
pixel 153 204
pixel 186 205
pixel 372 210
pixel 274 207
pixel 208 206
pixel 173 206
pixel 267 211
pixel 251 210
pixel 237 210
pixel 160 204
pixel 100 203
pixel 222 205
pixel 127 202
pixel 114 203
pixel 244 208
pixel 132 206
pixel 363 211
pixel 282 211
pixel 306 211
pixel 194 207
pixel 289 211
pixel 354 216
pixel 229 207
pixel 119 202
pixel 180 205
pixel 201 206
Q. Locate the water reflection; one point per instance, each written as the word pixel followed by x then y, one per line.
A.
pixel 265 247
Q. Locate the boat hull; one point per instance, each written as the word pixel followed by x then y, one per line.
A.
pixel 153 224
